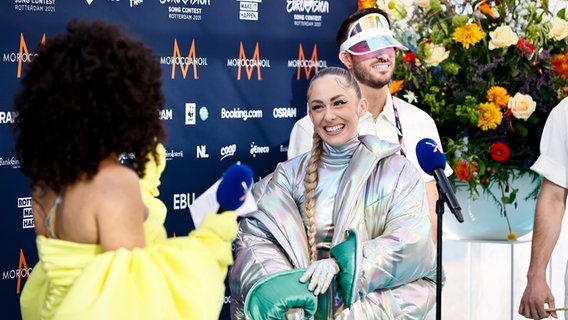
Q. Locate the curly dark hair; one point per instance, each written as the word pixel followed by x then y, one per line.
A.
pixel 91 92
pixel 341 35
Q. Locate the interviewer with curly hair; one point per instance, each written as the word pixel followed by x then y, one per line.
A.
pixel 91 95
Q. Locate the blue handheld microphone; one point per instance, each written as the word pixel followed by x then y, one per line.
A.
pixel 235 183
pixel 433 161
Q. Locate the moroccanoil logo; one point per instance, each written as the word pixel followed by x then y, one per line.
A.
pixel 307 65
pixel 23 271
pixel 176 59
pixel 23 54
pixel 249 64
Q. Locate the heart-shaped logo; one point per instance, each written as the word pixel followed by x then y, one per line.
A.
pixel 89 2
pixel 308 5
pixel 184 1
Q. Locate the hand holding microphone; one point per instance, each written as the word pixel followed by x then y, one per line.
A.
pixel 233 188
pixel 433 161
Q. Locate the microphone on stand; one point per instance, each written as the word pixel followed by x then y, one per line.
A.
pixel 433 161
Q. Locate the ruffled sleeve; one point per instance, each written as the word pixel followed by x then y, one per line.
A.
pixel 177 278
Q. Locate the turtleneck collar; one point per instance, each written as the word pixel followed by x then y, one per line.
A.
pixel 340 154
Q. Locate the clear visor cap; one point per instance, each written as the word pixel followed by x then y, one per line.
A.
pixel 370 33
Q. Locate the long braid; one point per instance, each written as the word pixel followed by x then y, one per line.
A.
pixel 310 183
pixel 311 178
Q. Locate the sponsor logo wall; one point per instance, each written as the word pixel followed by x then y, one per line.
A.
pixel 235 74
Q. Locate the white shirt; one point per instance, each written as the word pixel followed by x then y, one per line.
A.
pixel 553 158
pixel 416 125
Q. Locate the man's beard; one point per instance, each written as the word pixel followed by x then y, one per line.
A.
pixel 366 78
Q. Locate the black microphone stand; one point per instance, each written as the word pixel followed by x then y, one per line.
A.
pixel 439 214
pixel 442 198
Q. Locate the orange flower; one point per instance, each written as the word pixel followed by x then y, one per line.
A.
pixel 463 170
pixel 498 95
pixel 485 8
pixel 560 63
pixel 396 86
pixel 362 4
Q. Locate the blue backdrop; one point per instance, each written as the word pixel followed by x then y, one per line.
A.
pixel 235 76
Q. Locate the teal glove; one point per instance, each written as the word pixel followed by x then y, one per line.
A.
pixel 272 296
pixel 347 254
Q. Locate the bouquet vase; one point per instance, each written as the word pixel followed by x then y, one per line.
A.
pixel 484 217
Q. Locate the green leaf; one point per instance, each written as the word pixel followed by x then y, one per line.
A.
pixel 521 129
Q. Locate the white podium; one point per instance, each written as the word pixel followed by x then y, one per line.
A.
pixel 485 279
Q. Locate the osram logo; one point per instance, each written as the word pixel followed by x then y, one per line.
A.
pixel 184 62
pixel 249 64
pixel 23 54
pixel 23 271
pixel 307 65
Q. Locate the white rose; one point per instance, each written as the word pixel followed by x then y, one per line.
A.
pixel 437 54
pixel 521 106
pixel 558 29
pixel 502 37
pixel 423 4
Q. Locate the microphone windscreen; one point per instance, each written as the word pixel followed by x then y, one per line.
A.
pixel 430 155
pixel 234 185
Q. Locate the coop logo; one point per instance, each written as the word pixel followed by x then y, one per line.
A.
pixel 173 154
pixel 228 151
pixel 284 113
pixel 23 271
pixel 166 114
pixel 237 113
pixel 189 113
pixel 307 65
pixel 10 162
pixel 254 149
pixel 23 55
pixel 307 6
pixel 249 64
pixel 184 62
pixel 183 200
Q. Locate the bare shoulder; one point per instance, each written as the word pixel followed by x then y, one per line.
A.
pixel 121 212
pixel 116 186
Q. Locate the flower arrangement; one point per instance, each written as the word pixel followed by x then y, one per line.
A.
pixel 488 72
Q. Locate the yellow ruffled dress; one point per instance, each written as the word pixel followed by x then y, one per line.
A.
pixel 171 278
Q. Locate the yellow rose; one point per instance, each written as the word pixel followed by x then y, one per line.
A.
pixel 521 106
pixel 437 54
pixel 423 4
pixel 558 29
pixel 502 37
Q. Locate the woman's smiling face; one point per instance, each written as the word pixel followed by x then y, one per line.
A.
pixel 335 108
